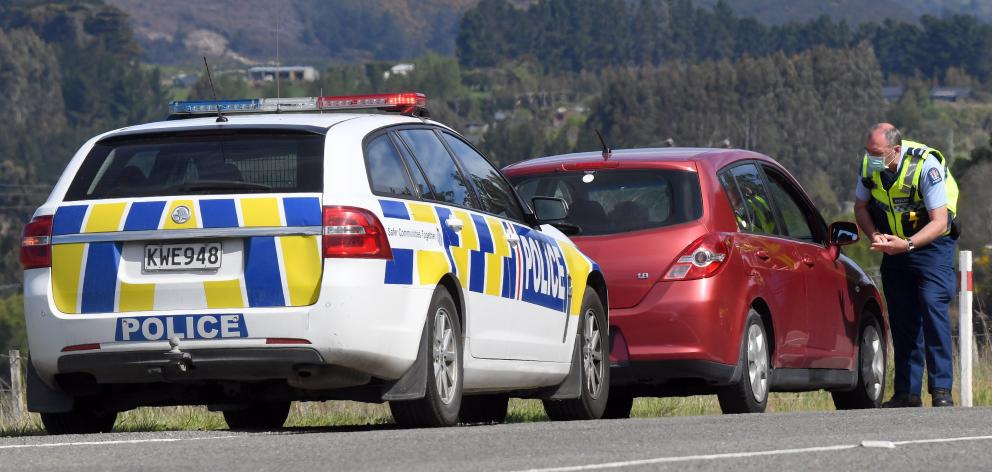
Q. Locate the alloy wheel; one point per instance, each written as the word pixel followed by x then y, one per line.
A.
pixel 757 362
pixel 445 356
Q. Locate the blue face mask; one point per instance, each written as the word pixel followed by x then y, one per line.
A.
pixel 876 163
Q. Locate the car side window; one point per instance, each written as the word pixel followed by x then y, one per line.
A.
pixel 736 201
pixel 440 169
pixel 386 169
pixel 755 197
pixel 418 175
pixel 796 214
pixel 495 194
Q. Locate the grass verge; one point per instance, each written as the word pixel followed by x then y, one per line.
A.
pixel 346 413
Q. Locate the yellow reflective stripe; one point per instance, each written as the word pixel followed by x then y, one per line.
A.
pixel 578 270
pixel 223 294
pixel 468 237
pixel 500 245
pixel 189 224
pixel 67 265
pixel 105 217
pixel 301 262
pixel 422 213
pixel 460 255
pixel 260 212
pixel 431 266
pixel 494 274
pixel 136 297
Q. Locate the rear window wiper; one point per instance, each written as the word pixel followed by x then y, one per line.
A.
pixel 221 185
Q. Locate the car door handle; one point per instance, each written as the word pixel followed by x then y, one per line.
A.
pixel 762 255
pixel 809 261
pixel 454 223
pixel 513 239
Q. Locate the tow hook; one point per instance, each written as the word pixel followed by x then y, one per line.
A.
pixel 182 361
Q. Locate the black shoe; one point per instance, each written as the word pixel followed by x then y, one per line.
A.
pixel 903 400
pixel 941 397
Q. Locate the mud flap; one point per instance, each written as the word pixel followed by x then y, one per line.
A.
pixel 571 387
pixel 413 384
pixel 42 398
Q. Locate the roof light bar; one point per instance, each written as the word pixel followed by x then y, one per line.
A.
pixel 405 103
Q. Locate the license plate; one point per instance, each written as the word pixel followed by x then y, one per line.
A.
pixel 182 256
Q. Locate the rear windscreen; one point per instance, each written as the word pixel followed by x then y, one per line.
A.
pixel 245 162
pixel 618 201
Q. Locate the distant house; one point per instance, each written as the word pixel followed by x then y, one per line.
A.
pixel 290 73
pixel 399 69
pixel 184 80
pixel 950 94
pixel 892 93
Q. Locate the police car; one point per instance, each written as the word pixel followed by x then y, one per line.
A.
pixel 249 253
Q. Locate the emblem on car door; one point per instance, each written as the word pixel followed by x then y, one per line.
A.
pixel 181 214
pixel 642 275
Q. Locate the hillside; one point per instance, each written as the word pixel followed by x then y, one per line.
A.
pixel 323 31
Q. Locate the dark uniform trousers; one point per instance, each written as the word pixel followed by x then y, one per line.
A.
pixel 918 288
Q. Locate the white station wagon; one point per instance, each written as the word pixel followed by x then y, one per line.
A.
pixel 249 253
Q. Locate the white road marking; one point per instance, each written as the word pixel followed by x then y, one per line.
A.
pixel 126 441
pixel 738 455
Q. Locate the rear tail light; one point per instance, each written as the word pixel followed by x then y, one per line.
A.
pixel 36 243
pixel 703 258
pixel 354 232
pixel 81 347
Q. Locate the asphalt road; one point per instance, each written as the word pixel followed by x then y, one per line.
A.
pixel 908 439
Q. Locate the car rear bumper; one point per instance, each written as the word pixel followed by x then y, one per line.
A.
pixel 238 364
pixel 693 320
pixel 672 371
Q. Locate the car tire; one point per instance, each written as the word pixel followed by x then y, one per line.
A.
pixel 258 416
pixel 484 409
pixel 620 403
pixel 82 420
pixel 443 398
pixel 594 369
pixel 870 387
pixel 749 393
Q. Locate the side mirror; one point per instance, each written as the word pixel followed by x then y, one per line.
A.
pixel 548 209
pixel 843 233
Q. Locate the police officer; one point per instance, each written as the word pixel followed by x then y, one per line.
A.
pixel 905 202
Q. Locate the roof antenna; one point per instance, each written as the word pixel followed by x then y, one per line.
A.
pixel 220 116
pixel 278 64
pixel 607 152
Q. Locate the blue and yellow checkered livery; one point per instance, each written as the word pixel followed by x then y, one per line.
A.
pixel 87 277
pixel 536 269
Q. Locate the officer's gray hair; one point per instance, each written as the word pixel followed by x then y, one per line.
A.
pixel 892 135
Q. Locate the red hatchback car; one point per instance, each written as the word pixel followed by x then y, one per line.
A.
pixel 723 277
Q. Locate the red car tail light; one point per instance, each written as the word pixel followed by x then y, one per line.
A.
pixel 36 243
pixel 354 232
pixel 703 258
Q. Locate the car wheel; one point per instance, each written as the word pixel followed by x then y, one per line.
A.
pixel 443 398
pixel 484 409
pixel 870 388
pixel 594 369
pixel 82 420
pixel 750 393
pixel 619 404
pixel 258 416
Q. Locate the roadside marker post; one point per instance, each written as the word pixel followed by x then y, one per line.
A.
pixel 16 386
pixel 965 338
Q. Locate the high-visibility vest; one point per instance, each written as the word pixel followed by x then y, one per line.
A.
pixel 764 220
pixel 900 209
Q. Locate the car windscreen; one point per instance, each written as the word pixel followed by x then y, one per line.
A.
pixel 201 164
pixel 619 201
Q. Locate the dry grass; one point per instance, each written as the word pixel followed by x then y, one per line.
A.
pixel 344 413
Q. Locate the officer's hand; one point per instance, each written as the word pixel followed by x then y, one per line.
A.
pixel 890 245
pixel 877 238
